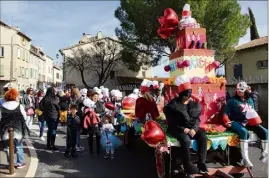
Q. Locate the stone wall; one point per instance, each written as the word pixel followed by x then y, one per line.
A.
pixel 262 89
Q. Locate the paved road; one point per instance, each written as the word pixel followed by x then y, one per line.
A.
pixel 127 163
pixel 139 162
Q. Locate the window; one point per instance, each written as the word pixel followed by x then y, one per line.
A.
pixel 112 74
pixel 1 51
pixel 262 64
pixel 19 53
pixel 22 72
pixel 2 70
pixel 26 56
pixel 31 73
pixel 27 73
pixel 238 71
pixel 144 73
pixel 19 87
pixel 23 55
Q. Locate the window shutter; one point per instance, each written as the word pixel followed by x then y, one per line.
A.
pixel 19 53
pixel 1 51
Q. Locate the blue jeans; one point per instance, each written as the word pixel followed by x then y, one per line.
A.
pixel 41 127
pixel 20 154
pixel 242 131
pixel 78 137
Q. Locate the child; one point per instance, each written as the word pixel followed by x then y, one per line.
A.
pixel 108 140
pixel 73 122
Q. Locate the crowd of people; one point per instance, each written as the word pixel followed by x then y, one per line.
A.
pixel 83 112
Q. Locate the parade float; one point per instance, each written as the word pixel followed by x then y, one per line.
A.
pixel 193 59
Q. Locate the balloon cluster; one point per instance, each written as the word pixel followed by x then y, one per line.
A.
pixel 169 23
pixel 179 64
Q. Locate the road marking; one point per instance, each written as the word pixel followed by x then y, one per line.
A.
pixel 33 160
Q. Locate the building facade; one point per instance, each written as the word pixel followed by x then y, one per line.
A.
pixel 22 64
pixel 251 63
pixel 57 75
pixel 73 77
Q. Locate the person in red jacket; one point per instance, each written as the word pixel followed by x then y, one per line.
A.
pixel 146 107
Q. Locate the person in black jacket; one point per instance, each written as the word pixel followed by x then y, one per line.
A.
pixel 50 108
pixel 183 119
pixel 73 122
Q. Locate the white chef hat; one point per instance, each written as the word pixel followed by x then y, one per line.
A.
pixel 83 91
pixel 155 84
pixel 105 92
pixel 183 83
pixel 136 91
pixel 145 85
pixel 118 93
pixel 102 87
pixel 112 92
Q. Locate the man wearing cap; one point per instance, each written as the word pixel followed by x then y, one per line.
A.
pixel 240 116
pixel 182 116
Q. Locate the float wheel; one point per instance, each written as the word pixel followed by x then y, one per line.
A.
pixel 160 163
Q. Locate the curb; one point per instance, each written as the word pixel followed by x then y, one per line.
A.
pixel 33 160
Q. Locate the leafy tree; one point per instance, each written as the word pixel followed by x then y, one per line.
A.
pixel 98 60
pixel 253 28
pixel 139 24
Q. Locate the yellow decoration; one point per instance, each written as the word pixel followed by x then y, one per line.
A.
pixel 161 117
pixel 233 140
pixel 142 129
pixel 38 112
pixel 209 144
pixel 217 80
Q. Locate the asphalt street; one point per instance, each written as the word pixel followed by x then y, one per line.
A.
pixel 138 162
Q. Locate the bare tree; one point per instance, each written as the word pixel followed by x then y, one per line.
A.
pixel 99 59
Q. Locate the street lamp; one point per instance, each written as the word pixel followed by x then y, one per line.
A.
pixel 57 56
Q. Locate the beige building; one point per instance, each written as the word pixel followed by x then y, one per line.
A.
pixel 57 75
pixel 73 77
pixel 22 64
pixel 251 63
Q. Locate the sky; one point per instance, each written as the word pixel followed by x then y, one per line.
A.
pixel 53 25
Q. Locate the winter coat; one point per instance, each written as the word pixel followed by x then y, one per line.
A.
pixel 144 107
pixel 91 118
pixel 99 108
pixel 180 116
pixel 64 103
pixel 50 107
pixel 26 102
pixel 12 115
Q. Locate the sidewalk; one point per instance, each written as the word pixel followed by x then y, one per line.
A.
pixel 4 171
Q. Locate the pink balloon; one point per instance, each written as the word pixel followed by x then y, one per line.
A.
pixel 167 68
pixel 179 64
pixel 216 64
pixel 186 63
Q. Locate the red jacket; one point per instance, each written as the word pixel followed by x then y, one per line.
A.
pixel 91 118
pixel 143 107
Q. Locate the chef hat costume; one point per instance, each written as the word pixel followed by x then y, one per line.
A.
pixel 155 84
pixel 145 85
pixel 83 91
pixel 112 93
pixel 183 83
pixel 105 92
pixel 253 117
pixel 118 94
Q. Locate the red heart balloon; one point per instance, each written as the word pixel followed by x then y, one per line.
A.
pixel 216 64
pixel 153 133
pixel 128 103
pixel 170 18
pixel 110 106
